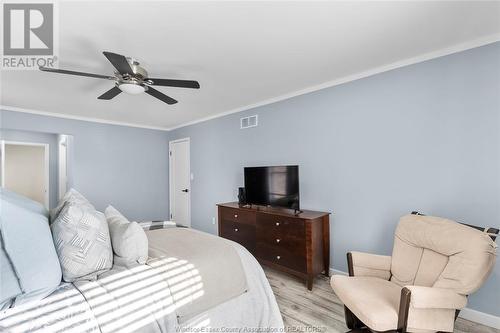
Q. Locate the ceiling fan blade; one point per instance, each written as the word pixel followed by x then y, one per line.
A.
pixel 175 83
pixel 63 71
pixel 120 62
pixel 110 93
pixel 161 96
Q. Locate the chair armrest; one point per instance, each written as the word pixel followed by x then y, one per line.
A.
pixel 435 298
pixel 367 264
pixel 419 302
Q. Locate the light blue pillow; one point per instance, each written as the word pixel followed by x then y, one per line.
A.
pixel 9 286
pixel 23 201
pixel 27 241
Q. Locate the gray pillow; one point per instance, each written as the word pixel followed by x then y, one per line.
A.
pixel 130 243
pixel 82 242
pixel 74 197
pixel 29 265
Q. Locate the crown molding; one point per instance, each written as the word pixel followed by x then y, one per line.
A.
pixel 398 64
pixel 80 118
pixel 402 63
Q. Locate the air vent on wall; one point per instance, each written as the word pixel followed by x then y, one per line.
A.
pixel 250 121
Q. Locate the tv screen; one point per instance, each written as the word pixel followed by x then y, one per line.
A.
pixel 273 186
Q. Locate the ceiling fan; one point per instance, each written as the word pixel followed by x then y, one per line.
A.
pixel 131 78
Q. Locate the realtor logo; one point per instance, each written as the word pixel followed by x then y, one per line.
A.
pixel 28 29
pixel 28 35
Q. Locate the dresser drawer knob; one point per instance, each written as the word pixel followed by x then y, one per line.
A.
pixel 277 223
pixel 278 257
pixel 235 216
pixel 236 229
pixel 278 240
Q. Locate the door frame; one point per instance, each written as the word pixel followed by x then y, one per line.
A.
pixel 170 177
pixel 46 147
pixel 62 164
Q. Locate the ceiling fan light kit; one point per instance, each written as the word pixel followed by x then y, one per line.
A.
pixel 131 78
pixel 131 88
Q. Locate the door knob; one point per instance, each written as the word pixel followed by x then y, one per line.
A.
pixel 185 190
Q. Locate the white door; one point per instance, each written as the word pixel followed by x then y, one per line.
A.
pixel 25 170
pixel 180 182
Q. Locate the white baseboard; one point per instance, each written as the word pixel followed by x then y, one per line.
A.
pixel 480 317
pixel 466 313
pixel 337 272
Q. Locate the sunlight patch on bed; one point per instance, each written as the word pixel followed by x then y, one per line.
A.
pixel 65 311
pixel 125 300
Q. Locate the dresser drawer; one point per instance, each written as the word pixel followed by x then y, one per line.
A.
pixel 280 256
pixel 241 233
pixel 294 243
pixel 280 239
pixel 237 215
pixel 280 225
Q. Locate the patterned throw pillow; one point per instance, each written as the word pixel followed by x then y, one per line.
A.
pixel 74 197
pixel 82 242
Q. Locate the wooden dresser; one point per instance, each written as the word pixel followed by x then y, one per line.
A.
pixel 297 244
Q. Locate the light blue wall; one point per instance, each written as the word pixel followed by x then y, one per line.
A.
pixel 123 166
pixel 37 137
pixel 424 137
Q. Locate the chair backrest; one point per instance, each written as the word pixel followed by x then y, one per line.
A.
pixel 492 232
pixel 433 251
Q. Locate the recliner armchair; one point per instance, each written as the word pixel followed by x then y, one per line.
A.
pixel 435 264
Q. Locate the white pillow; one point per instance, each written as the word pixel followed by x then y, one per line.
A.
pixel 130 243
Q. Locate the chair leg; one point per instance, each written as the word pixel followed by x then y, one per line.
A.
pixel 351 320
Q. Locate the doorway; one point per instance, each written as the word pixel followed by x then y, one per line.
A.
pixel 180 182
pixel 25 169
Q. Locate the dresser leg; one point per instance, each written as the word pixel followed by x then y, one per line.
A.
pixel 310 283
pixel 326 245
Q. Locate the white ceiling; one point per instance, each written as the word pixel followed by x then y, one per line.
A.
pixel 242 53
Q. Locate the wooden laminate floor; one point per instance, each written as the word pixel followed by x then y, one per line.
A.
pixel 320 310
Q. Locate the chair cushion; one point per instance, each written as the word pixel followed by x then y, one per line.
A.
pixel 433 251
pixel 374 301
pixel 82 241
pixel 367 264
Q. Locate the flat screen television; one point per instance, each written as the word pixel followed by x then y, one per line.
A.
pixel 273 186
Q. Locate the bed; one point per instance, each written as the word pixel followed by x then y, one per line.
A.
pixel 143 299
